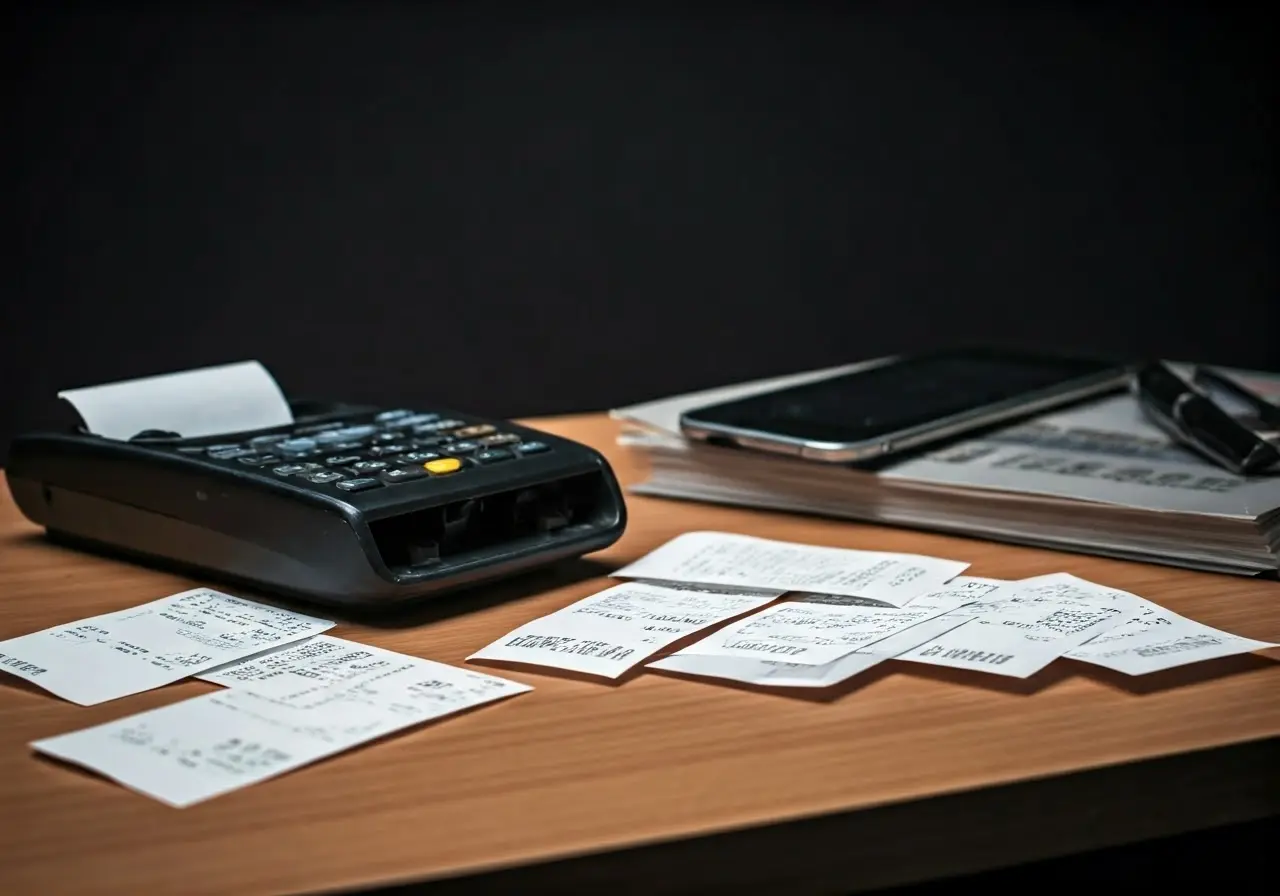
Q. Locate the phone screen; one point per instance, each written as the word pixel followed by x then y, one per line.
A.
pixel 900 395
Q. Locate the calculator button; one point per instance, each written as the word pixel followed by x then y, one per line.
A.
pixel 469 432
pixel 323 477
pixel 439 426
pixel 491 456
pixel 266 441
pixel 359 485
pixel 443 466
pixel 316 428
pixel 429 441
pixel 387 450
pixel 343 460
pixel 356 432
pixel 231 453
pixel 403 474
pixel 389 437
pixel 420 457
pixel 533 447
pixel 295 469
pixel 260 460
pixel 368 466
pixel 342 447
pixel 215 450
pixel 417 420
pixel 296 446
pixel 463 447
pixel 386 416
pixel 502 438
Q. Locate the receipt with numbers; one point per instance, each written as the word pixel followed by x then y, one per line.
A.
pixel 608 633
pixel 323 659
pixel 1025 625
pixel 812 634
pixel 1159 639
pixel 197 749
pixel 129 651
pixel 722 558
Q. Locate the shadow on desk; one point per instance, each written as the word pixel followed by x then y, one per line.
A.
pixel 928 849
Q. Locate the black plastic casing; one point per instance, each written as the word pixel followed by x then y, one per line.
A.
pixel 151 502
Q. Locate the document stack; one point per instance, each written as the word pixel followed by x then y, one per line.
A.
pixel 1095 478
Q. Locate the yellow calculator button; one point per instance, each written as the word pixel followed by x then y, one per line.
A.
pixel 443 465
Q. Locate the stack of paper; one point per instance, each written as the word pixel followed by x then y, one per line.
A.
pixel 1096 478
pixel 872 607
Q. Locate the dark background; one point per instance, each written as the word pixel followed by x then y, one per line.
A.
pixel 536 208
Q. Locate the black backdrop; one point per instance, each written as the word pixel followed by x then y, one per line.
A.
pixel 540 208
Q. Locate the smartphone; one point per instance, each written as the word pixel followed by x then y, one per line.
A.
pixel 903 403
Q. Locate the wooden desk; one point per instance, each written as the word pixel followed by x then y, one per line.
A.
pixel 910 772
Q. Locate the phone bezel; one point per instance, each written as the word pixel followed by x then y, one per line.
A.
pixel 1111 378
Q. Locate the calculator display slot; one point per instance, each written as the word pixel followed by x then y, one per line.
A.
pixel 500 522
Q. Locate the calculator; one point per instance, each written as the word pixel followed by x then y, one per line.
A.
pixel 348 505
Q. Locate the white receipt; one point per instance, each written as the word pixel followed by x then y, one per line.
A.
pixel 1160 639
pixel 122 653
pixel 608 633
pixel 207 746
pixel 721 558
pixel 932 610
pixel 321 660
pixel 811 634
pixel 205 402
pixel 1020 628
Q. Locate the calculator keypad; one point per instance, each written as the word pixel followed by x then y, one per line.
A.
pixel 398 446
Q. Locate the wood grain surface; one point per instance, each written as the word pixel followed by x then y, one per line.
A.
pixel 576 768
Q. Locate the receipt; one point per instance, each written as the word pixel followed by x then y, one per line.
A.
pixel 122 653
pixel 205 402
pixel 321 660
pixel 197 749
pixel 1025 625
pixel 812 634
pixel 721 558
pixel 1159 639
pixel 936 620
pixel 608 633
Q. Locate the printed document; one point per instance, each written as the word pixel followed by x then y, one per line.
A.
pixel 811 634
pixel 1159 639
pixel 197 749
pixel 932 608
pixel 129 651
pixel 1024 626
pixel 209 401
pixel 721 558
pixel 321 660
pixel 608 633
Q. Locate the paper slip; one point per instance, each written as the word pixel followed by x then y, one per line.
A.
pixel 205 402
pixel 318 661
pixel 1160 639
pixel 812 634
pixel 122 653
pixel 776 673
pixel 1024 626
pixel 191 751
pixel 721 558
pixel 608 633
